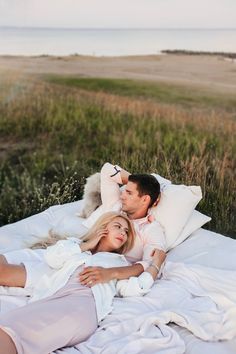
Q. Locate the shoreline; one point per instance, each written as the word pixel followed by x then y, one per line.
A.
pixel 180 52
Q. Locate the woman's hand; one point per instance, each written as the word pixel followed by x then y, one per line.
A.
pixel 91 244
pixel 91 276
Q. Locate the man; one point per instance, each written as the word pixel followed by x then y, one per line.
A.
pixel 141 192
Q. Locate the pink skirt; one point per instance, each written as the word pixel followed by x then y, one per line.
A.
pixel 64 319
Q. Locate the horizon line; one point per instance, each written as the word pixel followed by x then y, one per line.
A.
pixel 117 28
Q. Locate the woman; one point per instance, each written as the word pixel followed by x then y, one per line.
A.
pixel 66 312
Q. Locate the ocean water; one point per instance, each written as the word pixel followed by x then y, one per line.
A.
pixel 112 42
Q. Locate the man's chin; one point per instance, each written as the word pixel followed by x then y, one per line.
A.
pixel 125 209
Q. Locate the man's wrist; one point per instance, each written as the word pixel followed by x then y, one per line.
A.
pixel 155 267
pixel 124 176
pixel 114 274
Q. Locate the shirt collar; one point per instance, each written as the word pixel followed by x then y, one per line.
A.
pixel 149 218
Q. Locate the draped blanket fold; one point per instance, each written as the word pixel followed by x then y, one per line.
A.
pixel 200 299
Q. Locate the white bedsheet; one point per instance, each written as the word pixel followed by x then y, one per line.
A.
pixel 188 311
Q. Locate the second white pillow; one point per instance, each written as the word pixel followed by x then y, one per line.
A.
pixel 176 205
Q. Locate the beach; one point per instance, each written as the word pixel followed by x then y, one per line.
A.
pixel 211 73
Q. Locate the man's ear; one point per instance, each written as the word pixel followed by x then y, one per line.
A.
pixel 146 199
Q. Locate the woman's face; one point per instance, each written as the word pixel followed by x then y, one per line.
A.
pixel 117 235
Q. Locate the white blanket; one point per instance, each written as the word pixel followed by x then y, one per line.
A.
pixel 197 292
pixel 201 299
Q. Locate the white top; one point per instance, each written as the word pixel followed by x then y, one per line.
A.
pixel 149 233
pixel 66 255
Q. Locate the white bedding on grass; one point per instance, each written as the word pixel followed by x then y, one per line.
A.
pixel 197 292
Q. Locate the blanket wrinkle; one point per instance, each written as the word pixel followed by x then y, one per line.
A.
pixel 219 285
pixel 134 337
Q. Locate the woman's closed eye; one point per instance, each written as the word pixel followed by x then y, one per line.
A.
pixel 120 227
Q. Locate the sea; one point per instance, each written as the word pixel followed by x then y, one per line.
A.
pixel 112 42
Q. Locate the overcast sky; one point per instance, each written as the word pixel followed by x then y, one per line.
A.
pixel 119 13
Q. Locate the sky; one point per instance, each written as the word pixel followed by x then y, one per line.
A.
pixel 119 13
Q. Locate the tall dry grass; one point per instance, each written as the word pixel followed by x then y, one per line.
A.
pixel 53 136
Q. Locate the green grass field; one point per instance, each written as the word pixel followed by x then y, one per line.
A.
pixel 56 131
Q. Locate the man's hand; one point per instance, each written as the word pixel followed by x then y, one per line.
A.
pixel 95 275
pixel 158 257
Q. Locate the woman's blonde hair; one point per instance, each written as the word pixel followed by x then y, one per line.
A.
pixel 100 224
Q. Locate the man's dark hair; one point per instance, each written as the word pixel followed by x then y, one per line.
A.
pixel 146 184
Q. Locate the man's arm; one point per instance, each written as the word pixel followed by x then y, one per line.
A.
pixel 111 177
pixel 139 286
pixel 124 176
pixel 152 238
pixel 98 275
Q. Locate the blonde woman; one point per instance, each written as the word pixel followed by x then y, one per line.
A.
pixel 62 312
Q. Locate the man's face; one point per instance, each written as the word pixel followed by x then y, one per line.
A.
pixel 130 199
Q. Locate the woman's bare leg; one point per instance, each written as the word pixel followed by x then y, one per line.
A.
pixel 7 346
pixel 11 274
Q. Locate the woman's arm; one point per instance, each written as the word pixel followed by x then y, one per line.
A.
pixel 104 275
pixel 139 286
pixel 12 274
pixel 63 250
pixel 92 243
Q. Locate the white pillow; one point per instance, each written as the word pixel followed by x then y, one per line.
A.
pixel 164 182
pixel 24 233
pixel 70 226
pixel 194 223
pixel 176 204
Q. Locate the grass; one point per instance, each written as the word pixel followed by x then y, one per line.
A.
pixel 55 133
pixel 160 92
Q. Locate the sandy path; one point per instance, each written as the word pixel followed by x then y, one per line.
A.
pixel 209 72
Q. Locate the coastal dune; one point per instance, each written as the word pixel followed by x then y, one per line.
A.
pixel 214 73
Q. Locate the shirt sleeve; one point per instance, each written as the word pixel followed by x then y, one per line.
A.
pixel 153 237
pixel 135 286
pixel 58 254
pixel 110 180
pixel 110 193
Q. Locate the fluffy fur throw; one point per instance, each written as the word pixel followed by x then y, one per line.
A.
pixel 92 195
